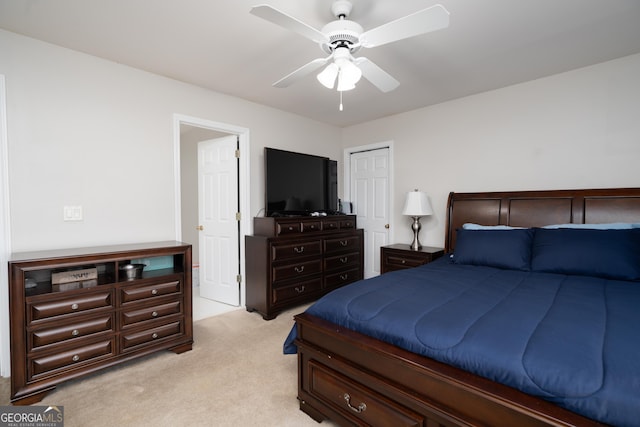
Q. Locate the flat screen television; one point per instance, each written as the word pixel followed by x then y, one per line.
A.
pixel 299 184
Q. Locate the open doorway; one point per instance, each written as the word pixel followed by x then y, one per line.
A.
pixel 189 134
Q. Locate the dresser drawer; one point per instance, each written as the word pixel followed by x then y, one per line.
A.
pixel 295 250
pixel 300 289
pixel 67 306
pixel 71 358
pixel 342 261
pixel 357 402
pixel 299 269
pixel 331 224
pixel 348 224
pixel 46 336
pixel 132 316
pixel 308 226
pixel 342 278
pixel 284 228
pixel 341 244
pixel 154 290
pixel 132 340
pixel 400 261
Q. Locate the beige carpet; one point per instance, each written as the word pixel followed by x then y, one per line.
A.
pixel 236 375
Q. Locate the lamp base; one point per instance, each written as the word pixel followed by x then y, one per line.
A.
pixel 416 226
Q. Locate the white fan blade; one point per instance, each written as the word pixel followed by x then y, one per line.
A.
pixel 376 75
pixel 430 19
pixel 277 17
pixel 301 72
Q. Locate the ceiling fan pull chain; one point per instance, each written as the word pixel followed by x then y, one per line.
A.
pixel 341 108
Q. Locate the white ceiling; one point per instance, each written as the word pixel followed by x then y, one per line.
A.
pixel 218 45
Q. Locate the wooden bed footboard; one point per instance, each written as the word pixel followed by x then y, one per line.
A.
pixel 353 379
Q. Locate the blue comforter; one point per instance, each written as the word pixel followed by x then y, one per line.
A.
pixel 573 340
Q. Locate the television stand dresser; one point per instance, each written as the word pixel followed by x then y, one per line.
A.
pixel 76 311
pixel 294 260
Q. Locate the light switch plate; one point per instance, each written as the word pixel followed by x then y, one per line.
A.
pixel 72 213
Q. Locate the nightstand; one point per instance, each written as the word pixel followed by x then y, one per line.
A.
pixel 398 256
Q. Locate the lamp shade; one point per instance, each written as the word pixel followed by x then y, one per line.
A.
pixel 328 76
pixel 417 204
pixel 349 75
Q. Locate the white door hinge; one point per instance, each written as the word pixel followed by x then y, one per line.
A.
pixel 239 278
pixel 238 216
pixel 237 154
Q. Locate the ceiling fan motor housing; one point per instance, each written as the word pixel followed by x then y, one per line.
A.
pixel 342 33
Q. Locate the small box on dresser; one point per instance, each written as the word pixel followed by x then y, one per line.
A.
pixel 294 260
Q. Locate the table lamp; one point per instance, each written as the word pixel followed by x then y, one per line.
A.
pixel 416 205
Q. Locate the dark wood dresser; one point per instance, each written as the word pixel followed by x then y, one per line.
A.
pixel 294 260
pixel 76 311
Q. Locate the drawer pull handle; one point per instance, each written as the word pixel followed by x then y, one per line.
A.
pixel 290 228
pixel 361 407
pixel 154 335
pixel 344 260
pixel 344 242
pixel 74 306
pixel 404 261
pixel 344 276
pixel 154 314
pixel 154 292
pixel 312 227
pixel 299 250
pixel 75 332
pixel 300 289
pixel 75 358
pixel 299 269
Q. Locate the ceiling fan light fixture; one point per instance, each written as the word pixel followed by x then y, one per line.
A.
pixel 344 85
pixel 349 75
pixel 328 76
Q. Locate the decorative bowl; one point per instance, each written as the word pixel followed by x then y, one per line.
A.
pixel 132 271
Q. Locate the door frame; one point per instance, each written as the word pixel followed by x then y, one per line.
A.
pixel 347 175
pixel 5 236
pixel 244 172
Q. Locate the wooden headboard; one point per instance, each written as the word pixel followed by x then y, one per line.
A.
pixel 540 208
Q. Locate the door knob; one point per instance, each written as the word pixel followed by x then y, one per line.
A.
pixel 200 228
pixel 386 226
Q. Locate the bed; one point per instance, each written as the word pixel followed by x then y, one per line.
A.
pixel 547 310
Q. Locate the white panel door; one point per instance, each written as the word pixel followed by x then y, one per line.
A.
pixel 219 240
pixel 369 172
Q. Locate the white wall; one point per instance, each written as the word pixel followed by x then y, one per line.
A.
pixel 579 129
pixel 85 131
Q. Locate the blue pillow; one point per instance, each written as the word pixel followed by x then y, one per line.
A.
pixel 612 254
pixel 508 249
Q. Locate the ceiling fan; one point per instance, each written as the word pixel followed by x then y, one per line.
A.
pixel 342 38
